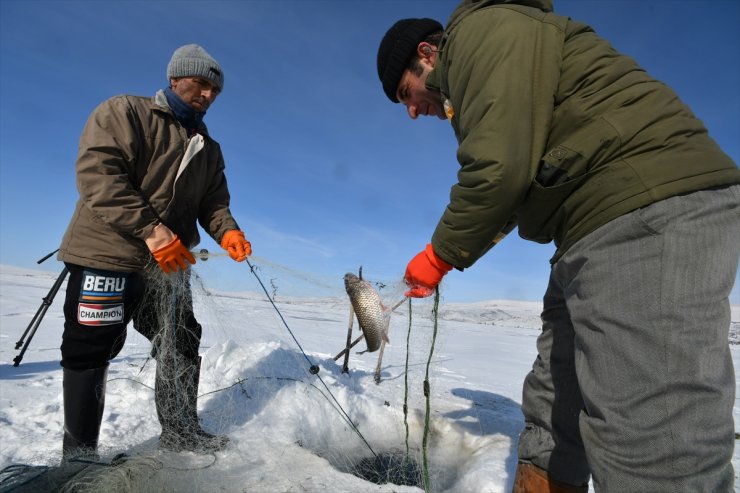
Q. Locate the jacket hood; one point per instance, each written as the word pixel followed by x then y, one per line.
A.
pixel 467 6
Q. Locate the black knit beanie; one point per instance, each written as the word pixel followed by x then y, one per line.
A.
pixel 397 49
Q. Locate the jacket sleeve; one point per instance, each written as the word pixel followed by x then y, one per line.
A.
pixel 501 84
pixel 105 164
pixel 215 215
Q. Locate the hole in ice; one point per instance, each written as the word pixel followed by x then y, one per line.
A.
pixel 388 467
pixel 396 468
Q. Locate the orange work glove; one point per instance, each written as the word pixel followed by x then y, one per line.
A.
pixel 167 249
pixel 173 255
pixel 424 273
pixel 234 243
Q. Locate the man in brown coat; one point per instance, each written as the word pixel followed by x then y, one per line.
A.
pixel 147 172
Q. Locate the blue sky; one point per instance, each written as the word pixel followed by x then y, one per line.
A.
pixel 325 173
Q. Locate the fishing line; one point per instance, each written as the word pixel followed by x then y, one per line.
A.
pixel 309 277
pixel 427 394
pixel 406 385
pixel 313 369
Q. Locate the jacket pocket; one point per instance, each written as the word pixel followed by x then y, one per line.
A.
pixel 577 157
pixel 581 151
pixel 542 212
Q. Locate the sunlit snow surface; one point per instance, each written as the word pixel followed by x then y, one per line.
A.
pixel 287 431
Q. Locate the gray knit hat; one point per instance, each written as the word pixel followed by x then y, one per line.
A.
pixel 193 61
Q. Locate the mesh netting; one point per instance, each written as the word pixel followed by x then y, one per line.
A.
pixel 251 378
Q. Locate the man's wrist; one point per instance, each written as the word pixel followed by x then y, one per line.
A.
pixel 159 237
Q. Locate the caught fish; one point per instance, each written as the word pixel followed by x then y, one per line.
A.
pixel 370 312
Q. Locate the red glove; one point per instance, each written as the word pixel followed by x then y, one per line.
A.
pixel 173 255
pixel 234 243
pixel 424 273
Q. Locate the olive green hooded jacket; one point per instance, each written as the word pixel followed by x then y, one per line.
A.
pixel 558 133
pixel 136 167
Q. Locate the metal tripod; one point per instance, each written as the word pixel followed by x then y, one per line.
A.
pixel 36 320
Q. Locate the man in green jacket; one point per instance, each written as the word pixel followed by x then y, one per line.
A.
pixel 147 172
pixel 571 142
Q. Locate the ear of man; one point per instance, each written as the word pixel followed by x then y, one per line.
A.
pixel 426 50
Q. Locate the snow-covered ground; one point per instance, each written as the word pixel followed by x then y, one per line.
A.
pixel 287 431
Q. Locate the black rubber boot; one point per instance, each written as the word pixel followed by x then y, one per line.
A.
pixel 84 401
pixel 176 398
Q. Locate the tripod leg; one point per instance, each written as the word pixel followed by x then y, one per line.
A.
pixel 345 366
pixel 45 303
pixel 382 347
pixel 36 320
pixel 354 343
pixel 32 324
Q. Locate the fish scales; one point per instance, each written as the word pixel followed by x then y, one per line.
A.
pixel 370 312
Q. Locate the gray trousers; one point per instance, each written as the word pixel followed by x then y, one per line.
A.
pixel 634 383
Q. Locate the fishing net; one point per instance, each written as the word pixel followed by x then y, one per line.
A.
pixel 270 374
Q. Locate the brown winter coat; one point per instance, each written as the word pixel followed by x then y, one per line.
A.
pixel 131 174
